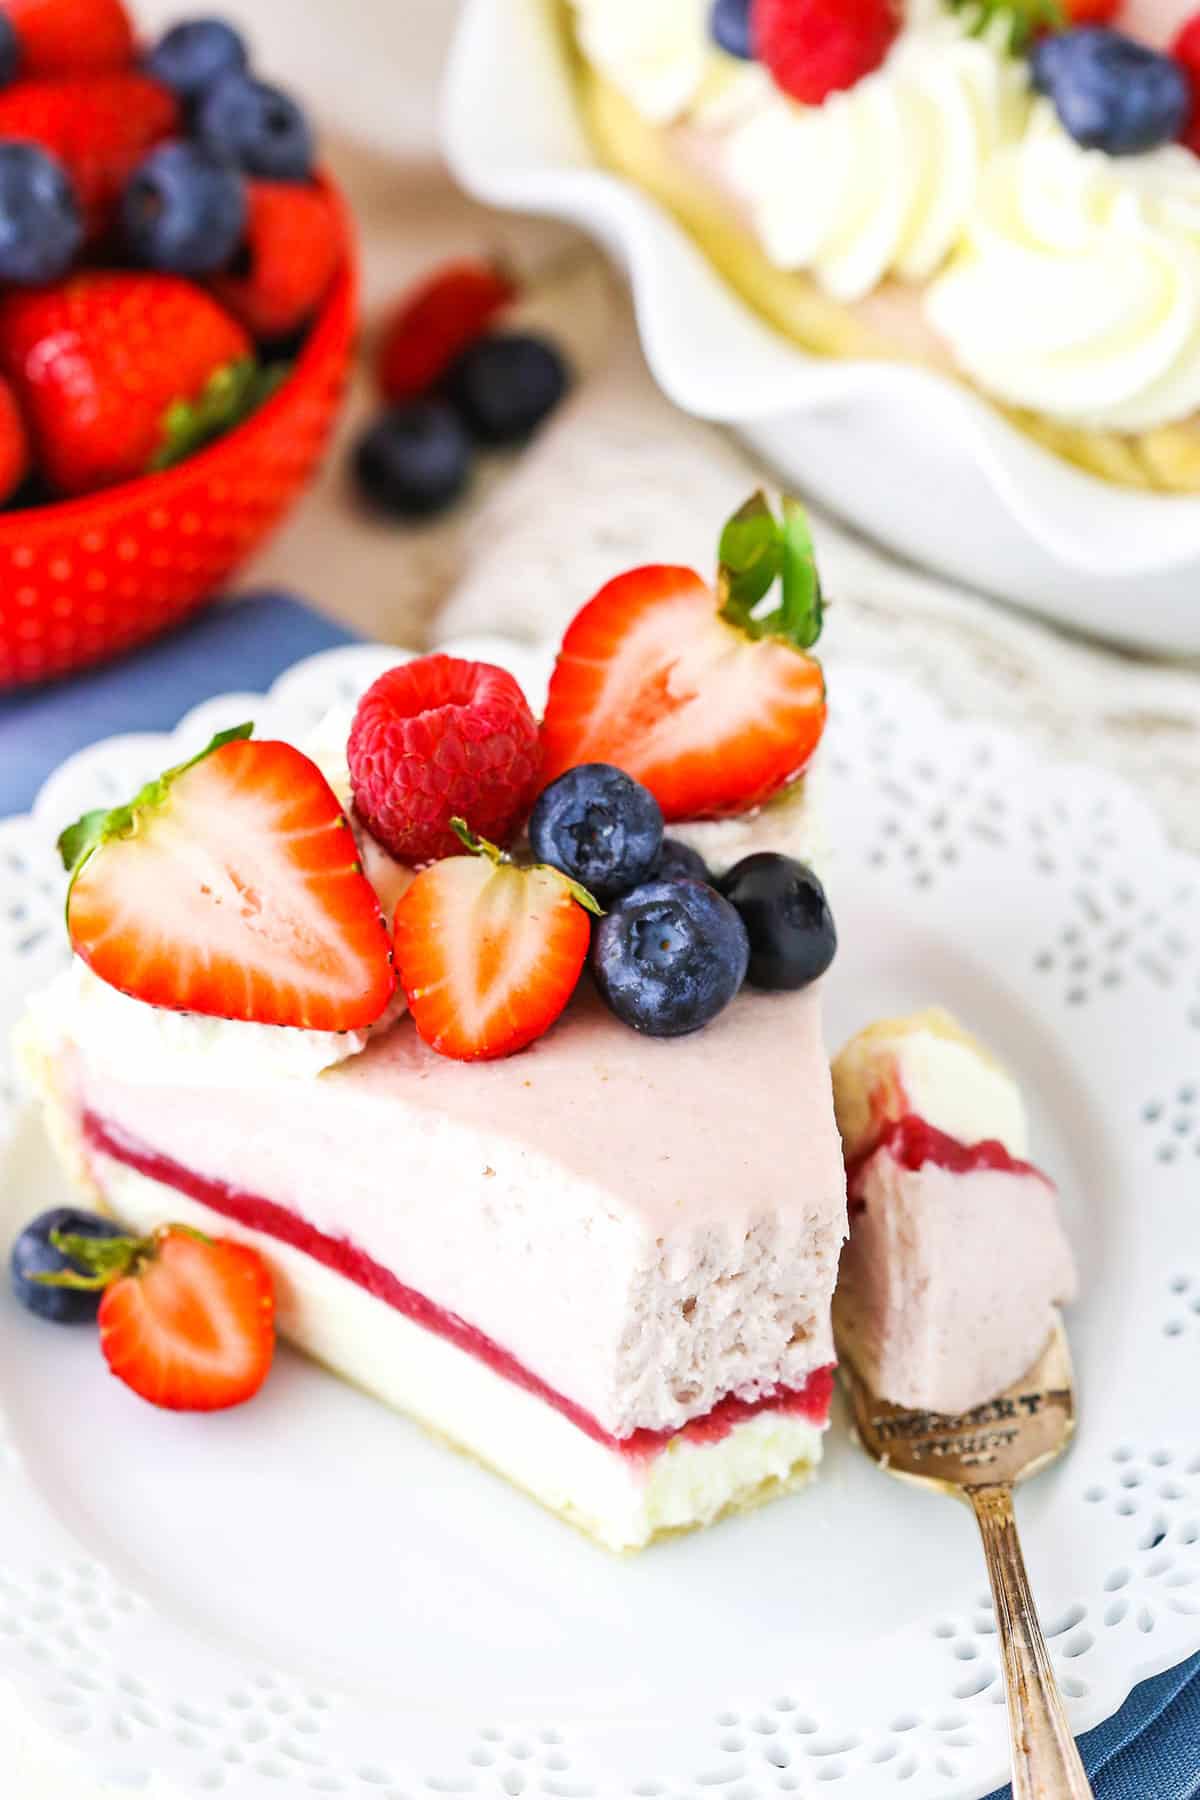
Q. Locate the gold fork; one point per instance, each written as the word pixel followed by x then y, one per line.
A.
pixel 979 1456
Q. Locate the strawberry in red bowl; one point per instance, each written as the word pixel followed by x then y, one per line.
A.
pixel 177 312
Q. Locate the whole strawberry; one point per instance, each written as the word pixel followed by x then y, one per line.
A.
pixel 105 366
pixel 14 445
pixel 439 738
pixel 99 127
pixel 294 240
pixel 814 48
pixel 63 37
pixel 434 322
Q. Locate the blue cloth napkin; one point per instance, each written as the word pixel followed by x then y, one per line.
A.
pixel 1150 1750
pixel 244 643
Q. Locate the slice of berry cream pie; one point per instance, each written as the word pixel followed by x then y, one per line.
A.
pixel 956 1260
pixel 467 1031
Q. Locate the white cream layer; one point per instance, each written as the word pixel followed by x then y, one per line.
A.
pixel 879 179
pixel 1078 289
pixel 621 1500
pixel 152 1044
pixel 927 1066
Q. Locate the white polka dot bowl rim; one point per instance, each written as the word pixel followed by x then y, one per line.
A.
pixel 86 579
pixel 917 460
pixel 307 1596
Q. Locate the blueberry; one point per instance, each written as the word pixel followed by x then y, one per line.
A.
pixel 505 384
pixel 184 210
pixel 787 919
pixel 1110 92
pixel 414 460
pixel 599 826
pixel 256 126
pixel 195 53
pixel 729 27
pixel 41 228
pixel 669 957
pixel 10 51
pixel 34 1254
pixel 679 862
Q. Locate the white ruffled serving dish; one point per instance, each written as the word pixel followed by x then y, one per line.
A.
pixel 921 463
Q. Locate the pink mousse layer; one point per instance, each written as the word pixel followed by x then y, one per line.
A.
pixel 811 1401
pixel 646 1226
pixel 955 1264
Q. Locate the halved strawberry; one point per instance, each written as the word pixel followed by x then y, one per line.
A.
pixel 488 953
pixel 231 886
pixel 707 703
pixel 186 1321
pixel 192 1327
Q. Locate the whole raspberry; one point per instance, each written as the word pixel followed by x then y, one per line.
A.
pixel 815 47
pixel 437 739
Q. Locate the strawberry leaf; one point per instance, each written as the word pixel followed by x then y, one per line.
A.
pixel 756 550
pixel 580 895
pixel 749 552
pixel 80 841
pixel 803 611
pixel 1012 24
pixel 228 398
pixel 106 1260
pixel 102 1260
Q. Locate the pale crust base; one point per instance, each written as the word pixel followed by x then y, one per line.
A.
pixel 798 1476
pixel 1166 460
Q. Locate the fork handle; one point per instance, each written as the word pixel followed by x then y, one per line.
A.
pixel 1046 1764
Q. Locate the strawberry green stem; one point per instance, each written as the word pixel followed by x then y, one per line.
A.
pixel 80 840
pixel 105 1260
pixel 481 846
pixel 756 551
pixel 1014 23
pixel 478 846
pixel 228 397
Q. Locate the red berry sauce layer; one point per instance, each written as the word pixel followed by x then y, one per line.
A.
pixel 811 1401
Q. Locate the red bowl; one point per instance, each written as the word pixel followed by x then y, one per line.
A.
pixel 81 580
